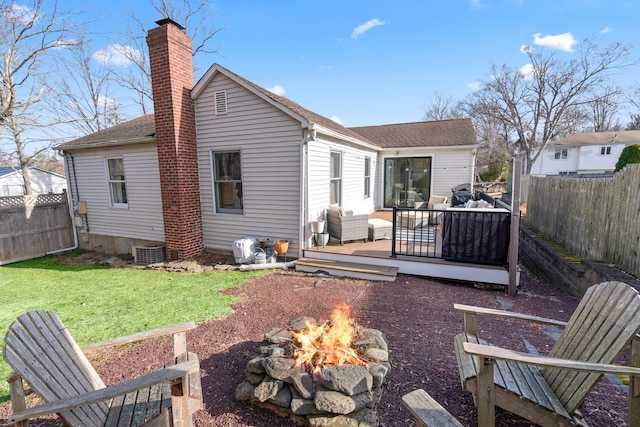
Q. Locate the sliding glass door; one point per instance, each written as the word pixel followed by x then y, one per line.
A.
pixel 407 181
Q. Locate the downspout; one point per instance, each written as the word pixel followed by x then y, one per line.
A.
pixel 70 203
pixel 304 211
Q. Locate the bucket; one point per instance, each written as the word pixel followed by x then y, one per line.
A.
pixel 260 257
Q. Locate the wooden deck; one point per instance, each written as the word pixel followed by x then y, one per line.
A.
pixel 421 259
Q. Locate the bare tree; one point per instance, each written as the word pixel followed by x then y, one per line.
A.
pixel 534 104
pixel 442 107
pixel 85 91
pixel 603 109
pixel 29 34
pixel 199 24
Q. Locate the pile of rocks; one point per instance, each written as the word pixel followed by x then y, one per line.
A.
pixel 344 395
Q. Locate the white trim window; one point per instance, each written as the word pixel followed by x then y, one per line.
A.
pixel 227 178
pixel 116 182
pixel 605 150
pixel 335 178
pixel 561 154
pixel 367 177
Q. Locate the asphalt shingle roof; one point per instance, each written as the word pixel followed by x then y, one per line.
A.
pixel 454 132
pixel 442 133
pixel 130 131
pixel 6 170
pixel 599 138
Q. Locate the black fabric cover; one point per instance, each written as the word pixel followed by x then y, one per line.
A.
pixel 479 236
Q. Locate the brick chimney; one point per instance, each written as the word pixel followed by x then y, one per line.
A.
pixel 170 57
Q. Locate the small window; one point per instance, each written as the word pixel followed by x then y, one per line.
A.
pixel 335 178
pixel 220 101
pixel 605 151
pixel 117 183
pixel 367 177
pixel 227 172
pixel 561 153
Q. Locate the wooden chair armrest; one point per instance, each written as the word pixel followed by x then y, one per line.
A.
pixel 497 353
pixel 169 330
pixel 510 314
pixel 155 377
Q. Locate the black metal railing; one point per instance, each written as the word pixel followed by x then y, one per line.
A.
pixel 415 232
pixel 479 236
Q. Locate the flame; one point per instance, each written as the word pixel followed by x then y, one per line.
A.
pixel 327 344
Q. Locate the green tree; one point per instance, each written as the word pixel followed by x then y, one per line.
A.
pixel 630 154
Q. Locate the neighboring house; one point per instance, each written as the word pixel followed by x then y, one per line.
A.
pixel 42 181
pixel 226 159
pixel 584 153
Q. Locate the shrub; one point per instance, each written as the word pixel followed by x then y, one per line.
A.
pixel 630 154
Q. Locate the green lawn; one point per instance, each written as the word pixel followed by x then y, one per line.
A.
pixel 98 303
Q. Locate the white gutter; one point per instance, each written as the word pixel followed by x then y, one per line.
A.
pixel 344 137
pixel 114 143
pixel 307 135
pixel 387 150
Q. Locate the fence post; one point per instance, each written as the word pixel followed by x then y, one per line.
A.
pixel 514 239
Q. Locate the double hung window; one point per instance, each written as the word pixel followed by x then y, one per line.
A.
pixel 335 178
pixel 227 173
pixel 117 183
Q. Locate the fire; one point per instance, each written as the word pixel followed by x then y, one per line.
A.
pixel 327 344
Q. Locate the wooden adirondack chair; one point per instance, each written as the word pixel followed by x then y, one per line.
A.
pixel 42 353
pixel 548 390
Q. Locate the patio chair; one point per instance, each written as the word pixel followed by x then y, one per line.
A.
pixel 420 218
pixel 345 226
pixel 548 390
pixel 42 353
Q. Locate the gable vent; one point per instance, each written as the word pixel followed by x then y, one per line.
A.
pixel 220 99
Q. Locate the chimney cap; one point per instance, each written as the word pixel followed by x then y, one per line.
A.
pixel 169 21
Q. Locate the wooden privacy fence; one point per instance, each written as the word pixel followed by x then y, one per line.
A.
pixel 593 218
pixel 33 226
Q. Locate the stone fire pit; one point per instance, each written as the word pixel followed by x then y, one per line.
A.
pixel 342 395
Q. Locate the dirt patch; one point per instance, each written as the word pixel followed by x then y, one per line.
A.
pixel 415 314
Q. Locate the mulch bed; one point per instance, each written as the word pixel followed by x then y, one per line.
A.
pixel 417 317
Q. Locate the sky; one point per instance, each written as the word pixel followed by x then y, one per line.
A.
pixel 372 62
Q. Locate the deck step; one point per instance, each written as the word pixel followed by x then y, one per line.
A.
pixel 347 269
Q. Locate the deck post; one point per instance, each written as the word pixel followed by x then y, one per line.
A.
pixel 514 238
pixel 393 232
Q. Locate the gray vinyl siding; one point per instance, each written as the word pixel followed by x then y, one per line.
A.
pixel 451 167
pixel 353 199
pixel 143 218
pixel 270 146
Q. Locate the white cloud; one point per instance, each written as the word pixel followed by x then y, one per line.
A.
pixel 63 44
pixel 277 89
pixel 564 41
pixel 363 28
pixel 526 49
pixel 118 55
pixel 527 71
pixel 476 4
pixel 473 85
pixel 106 102
pixel 338 120
pixel 325 67
pixel 22 15
pixel 606 30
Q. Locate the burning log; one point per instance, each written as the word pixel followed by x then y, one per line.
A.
pixel 317 373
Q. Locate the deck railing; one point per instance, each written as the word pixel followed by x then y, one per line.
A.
pixel 415 232
pixel 479 236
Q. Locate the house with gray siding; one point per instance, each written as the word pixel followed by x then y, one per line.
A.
pixel 263 165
